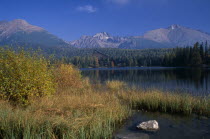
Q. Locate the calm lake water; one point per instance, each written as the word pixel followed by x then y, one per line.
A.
pixel 184 80
pixel 171 127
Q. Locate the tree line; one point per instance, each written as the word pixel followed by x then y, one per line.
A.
pixel 119 58
pixel 197 55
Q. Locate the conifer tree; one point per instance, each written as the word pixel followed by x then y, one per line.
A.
pixel 196 57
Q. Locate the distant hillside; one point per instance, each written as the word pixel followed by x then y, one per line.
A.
pixel 20 33
pixel 177 36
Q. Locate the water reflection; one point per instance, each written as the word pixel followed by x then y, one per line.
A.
pixel 190 80
pixel 171 127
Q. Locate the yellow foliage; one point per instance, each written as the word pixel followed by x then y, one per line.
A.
pixel 24 75
pixel 68 76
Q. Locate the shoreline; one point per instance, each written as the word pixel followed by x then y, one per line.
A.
pixel 140 68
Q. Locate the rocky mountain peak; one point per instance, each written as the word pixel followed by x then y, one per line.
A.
pixel 174 26
pixel 19 22
pixel 22 25
pixel 102 36
pixel 20 32
pixel 17 25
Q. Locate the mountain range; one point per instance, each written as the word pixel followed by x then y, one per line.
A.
pixel 19 32
pixel 174 35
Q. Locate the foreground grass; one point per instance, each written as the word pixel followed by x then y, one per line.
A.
pixel 67 115
pixel 90 113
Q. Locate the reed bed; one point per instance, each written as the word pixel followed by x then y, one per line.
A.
pixel 155 100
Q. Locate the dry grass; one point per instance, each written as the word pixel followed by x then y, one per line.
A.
pixel 115 85
pixel 64 115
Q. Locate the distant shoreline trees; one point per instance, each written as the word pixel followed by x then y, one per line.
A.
pixel 197 55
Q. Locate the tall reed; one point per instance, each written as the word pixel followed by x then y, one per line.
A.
pixel 155 100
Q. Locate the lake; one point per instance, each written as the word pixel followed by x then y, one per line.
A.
pixel 184 80
pixel 195 81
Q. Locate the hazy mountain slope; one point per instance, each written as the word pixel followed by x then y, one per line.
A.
pixel 177 35
pixel 86 42
pixel 141 43
pixel 19 32
pixel 183 36
pixel 158 35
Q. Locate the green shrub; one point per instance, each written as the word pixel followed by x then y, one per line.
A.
pixel 24 75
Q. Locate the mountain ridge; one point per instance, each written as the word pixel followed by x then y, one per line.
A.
pixel 172 36
pixel 20 32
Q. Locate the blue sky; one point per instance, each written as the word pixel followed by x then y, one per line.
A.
pixel 69 19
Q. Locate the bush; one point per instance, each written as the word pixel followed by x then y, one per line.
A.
pixel 68 76
pixel 24 76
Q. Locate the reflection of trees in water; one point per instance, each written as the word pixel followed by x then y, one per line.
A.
pixel 127 75
pixel 188 78
pixel 196 76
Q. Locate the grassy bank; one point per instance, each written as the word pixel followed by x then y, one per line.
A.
pixel 64 115
pixel 156 100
